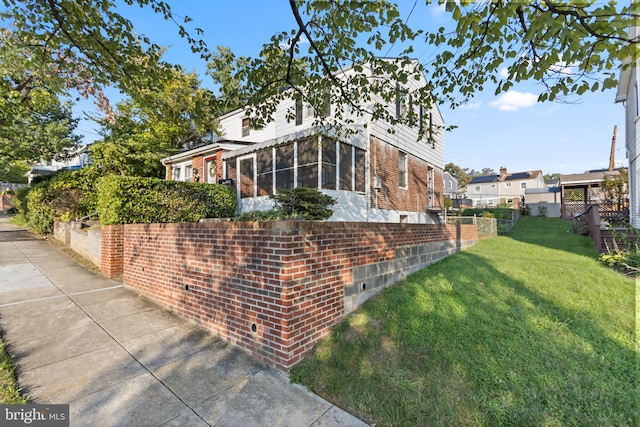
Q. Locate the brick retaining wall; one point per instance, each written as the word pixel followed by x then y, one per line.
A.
pixel 272 288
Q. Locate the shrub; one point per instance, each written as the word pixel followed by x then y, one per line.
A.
pixel 62 197
pixel 270 215
pixel 542 211
pixel 134 200
pixel 304 203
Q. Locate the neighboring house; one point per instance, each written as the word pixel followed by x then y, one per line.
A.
pixel 504 188
pixel 380 173
pixel 74 160
pixel 584 189
pixel 628 93
pixel 450 185
pixel 545 201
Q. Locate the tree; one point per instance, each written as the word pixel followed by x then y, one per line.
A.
pixel 34 123
pixel 174 117
pixel 14 172
pixel 461 175
pixel 569 47
pixel 82 46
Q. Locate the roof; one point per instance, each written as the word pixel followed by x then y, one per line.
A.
pixel 518 175
pixel 484 178
pixel 586 178
pixel 624 80
pixel 221 144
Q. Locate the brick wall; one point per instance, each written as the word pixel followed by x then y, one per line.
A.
pixel 197 166
pixel 384 164
pixel 111 250
pixel 275 288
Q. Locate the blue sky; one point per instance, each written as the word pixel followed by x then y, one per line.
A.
pixel 510 130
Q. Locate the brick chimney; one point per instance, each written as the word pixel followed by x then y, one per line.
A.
pixel 503 172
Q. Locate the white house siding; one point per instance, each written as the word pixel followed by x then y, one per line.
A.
pixel 628 93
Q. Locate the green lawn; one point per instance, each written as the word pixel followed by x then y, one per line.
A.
pixel 525 329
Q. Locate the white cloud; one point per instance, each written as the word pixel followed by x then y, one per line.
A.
pixel 514 100
pixel 471 105
pixel 504 72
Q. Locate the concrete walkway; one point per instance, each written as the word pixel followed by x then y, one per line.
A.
pixel 119 360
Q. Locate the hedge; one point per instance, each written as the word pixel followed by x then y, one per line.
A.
pixel 65 196
pixel 134 200
pixel 499 213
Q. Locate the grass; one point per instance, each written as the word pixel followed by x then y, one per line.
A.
pixel 523 329
pixel 9 391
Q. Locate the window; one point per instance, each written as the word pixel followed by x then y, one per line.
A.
pixel 264 178
pixel 329 158
pixel 246 177
pixel 176 173
pixel 402 169
pixel 187 172
pixel 508 185
pixel 245 126
pixel 401 101
pixel 360 170
pixel 523 185
pixel 404 219
pixel 346 167
pixel 230 168
pixel 326 110
pixel 298 111
pixel 493 186
pixel 477 189
pixel 422 113
pixel 490 202
pixel 308 163
pixel 636 96
pixel 412 117
pixel 450 185
pixel 308 111
pixel 284 167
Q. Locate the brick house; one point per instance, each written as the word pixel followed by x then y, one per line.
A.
pixel 379 173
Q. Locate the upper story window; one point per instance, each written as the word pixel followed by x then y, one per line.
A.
pixel 402 169
pixel 245 126
pixel 402 99
pixel 523 185
pixel 308 111
pixel 299 108
pixel 477 189
pixel 507 184
pixel 493 186
pixel 450 184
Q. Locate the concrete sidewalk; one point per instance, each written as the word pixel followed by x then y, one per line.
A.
pixel 119 360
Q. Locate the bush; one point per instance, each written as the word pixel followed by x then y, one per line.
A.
pixel 304 203
pixel 66 195
pixel 542 211
pixel 134 200
pixel 499 213
pixel 270 215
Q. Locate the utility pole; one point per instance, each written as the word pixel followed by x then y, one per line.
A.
pixel 612 156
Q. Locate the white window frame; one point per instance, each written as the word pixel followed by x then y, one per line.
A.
pixel 245 126
pixel 188 170
pixel 523 185
pixel 477 189
pixel 403 173
pixel 175 173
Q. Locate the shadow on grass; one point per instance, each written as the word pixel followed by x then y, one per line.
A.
pixel 553 233
pixel 464 343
